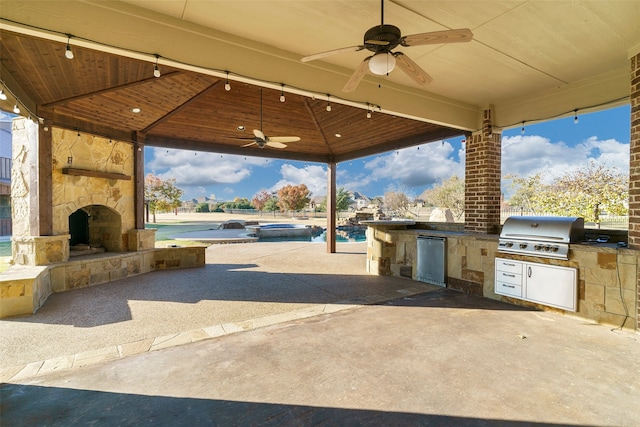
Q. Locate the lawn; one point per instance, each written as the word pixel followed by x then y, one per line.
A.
pixel 165 232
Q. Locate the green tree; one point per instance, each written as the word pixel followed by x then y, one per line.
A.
pixel 449 193
pixel 202 207
pixel 584 192
pixel 343 201
pixel 161 195
pixel 272 204
pixel 524 191
pixel 239 203
pixel 293 197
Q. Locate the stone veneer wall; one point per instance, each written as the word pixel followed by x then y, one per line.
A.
pixel 23 289
pixel 482 179
pixel 607 277
pixel 95 154
pixel 634 167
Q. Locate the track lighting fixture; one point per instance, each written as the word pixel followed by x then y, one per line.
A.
pixel 575 116
pixel 282 98
pixel 16 109
pixel 68 53
pixel 3 96
pixel 156 70
pixel 227 86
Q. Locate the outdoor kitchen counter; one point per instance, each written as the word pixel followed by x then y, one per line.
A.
pixel 607 274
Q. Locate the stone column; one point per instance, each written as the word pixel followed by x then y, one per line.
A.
pixel 634 169
pixel 30 189
pixel 482 178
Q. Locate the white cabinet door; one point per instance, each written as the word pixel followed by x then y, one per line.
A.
pixel 551 285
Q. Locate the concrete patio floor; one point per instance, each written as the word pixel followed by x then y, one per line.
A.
pixel 320 342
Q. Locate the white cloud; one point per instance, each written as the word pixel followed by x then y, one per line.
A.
pixel 199 169
pixel 313 176
pixel 417 166
pixel 526 155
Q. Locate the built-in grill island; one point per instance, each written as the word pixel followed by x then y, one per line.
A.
pixel 541 237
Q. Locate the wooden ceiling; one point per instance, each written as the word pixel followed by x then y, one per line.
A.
pixel 96 92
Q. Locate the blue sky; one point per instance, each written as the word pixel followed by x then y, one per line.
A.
pixel 552 147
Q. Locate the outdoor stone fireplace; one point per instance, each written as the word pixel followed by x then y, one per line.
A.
pixel 92 196
pixel 92 210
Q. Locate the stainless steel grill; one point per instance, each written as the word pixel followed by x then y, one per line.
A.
pixel 540 236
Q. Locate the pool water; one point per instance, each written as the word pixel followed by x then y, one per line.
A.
pixel 342 236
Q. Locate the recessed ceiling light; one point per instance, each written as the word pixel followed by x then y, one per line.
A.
pixel 338 135
pixel 136 110
pixel 241 128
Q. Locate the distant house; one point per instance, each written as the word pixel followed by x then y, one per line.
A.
pixel 360 201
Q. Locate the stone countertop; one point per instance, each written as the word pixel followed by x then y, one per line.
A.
pixel 373 223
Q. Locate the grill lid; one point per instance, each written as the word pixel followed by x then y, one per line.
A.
pixel 542 228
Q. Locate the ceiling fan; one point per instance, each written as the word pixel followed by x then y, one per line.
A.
pixel 381 40
pixel 261 140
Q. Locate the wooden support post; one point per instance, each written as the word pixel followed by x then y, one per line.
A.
pixel 138 179
pixel 331 208
pixel 45 176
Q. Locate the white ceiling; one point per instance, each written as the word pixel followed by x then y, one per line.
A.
pixel 528 59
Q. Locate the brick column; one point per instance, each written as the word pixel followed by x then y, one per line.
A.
pixel 634 169
pixel 482 179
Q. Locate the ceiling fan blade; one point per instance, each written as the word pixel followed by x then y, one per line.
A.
pixel 435 37
pixel 412 69
pixel 276 144
pixel 249 144
pixel 377 42
pixel 258 133
pixel 283 139
pixel 331 52
pixel 357 76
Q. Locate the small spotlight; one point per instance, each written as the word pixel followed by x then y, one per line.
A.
pixel 227 86
pixel 136 110
pixel 575 116
pixel 241 128
pixel 68 53
pixel 156 70
pixel 16 109
pixel 3 96
pixel 282 98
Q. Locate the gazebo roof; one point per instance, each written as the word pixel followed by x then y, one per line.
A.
pixel 527 61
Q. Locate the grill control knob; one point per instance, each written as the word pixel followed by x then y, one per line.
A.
pixel 537 247
pixel 555 249
pixel 523 245
pixel 509 244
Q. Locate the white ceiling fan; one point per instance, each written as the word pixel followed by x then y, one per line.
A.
pixel 261 140
pixel 381 40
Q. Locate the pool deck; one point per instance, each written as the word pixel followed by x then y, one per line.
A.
pixel 285 334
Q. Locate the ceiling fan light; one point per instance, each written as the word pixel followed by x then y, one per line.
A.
pixel 382 63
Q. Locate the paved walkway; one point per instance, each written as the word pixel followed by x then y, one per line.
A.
pixel 312 351
pixel 242 287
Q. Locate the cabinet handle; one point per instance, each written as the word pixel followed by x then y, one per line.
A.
pixel 508 275
pixel 528 271
pixel 508 286
pixel 508 264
